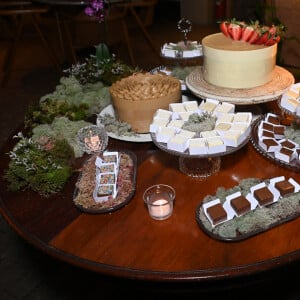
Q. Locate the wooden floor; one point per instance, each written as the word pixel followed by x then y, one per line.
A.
pixel 28 274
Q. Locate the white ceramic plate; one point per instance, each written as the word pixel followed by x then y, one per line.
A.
pixel 140 137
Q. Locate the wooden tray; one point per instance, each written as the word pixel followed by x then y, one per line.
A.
pixel 280 83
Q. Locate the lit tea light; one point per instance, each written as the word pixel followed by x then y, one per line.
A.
pixel 160 208
pixel 159 199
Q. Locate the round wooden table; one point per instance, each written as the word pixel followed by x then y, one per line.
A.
pixel 127 243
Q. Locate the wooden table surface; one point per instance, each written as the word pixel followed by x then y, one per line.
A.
pixel 128 243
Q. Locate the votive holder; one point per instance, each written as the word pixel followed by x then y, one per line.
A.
pixel 159 199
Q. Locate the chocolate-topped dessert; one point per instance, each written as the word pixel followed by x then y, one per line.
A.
pixel 240 204
pixel 284 187
pixel 264 196
pixel 267 126
pixel 268 134
pixel 279 129
pixel 287 144
pixel 270 143
pixel 217 213
pixel 274 120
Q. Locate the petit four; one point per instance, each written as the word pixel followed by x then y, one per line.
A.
pixel 198 146
pixel 263 195
pixel 241 205
pixel 284 187
pixel 217 213
pixel 178 143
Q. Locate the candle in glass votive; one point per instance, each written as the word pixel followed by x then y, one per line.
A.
pixel 159 199
pixel 160 208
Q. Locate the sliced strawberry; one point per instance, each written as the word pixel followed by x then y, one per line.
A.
pixel 247 33
pixel 235 31
pixel 224 28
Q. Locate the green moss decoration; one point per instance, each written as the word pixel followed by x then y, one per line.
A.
pixel 40 169
pixel 62 129
pixel 70 99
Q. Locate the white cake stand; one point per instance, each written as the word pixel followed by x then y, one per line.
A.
pixel 280 83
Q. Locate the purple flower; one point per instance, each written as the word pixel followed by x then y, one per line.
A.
pixel 96 9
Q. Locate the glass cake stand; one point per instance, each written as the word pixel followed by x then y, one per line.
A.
pixel 196 165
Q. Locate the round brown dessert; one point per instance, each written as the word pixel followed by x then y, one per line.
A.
pixel 137 97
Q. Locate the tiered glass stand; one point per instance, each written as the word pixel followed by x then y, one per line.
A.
pixel 200 166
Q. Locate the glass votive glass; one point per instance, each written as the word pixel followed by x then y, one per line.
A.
pixel 159 199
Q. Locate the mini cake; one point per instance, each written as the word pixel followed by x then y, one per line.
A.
pixel 264 196
pixel 198 146
pixel 236 64
pixel 272 118
pixel 217 213
pixel 137 97
pixel 285 154
pixel 269 145
pixel 241 205
pixel 284 187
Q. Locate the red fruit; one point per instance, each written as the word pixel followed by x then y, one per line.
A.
pixel 273 30
pixel 235 31
pixel 224 28
pixel 247 33
pixel 273 40
pixel 265 35
pixel 255 36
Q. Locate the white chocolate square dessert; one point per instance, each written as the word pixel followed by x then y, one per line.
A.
pixel 242 127
pixel 290 104
pixel 215 145
pixel 178 143
pixel 176 107
pixel 184 115
pixel 191 106
pixel 224 107
pixel 162 114
pixel 292 94
pixel 157 123
pixel 198 146
pixel 242 117
pixel 232 138
pixel 186 133
pixel 225 118
pixel 221 128
pixel 208 133
pixel 164 134
pixel 177 124
pixel 208 105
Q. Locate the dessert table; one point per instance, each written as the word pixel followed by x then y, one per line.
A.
pixel 128 243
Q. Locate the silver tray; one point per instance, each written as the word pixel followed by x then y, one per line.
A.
pixel 293 165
